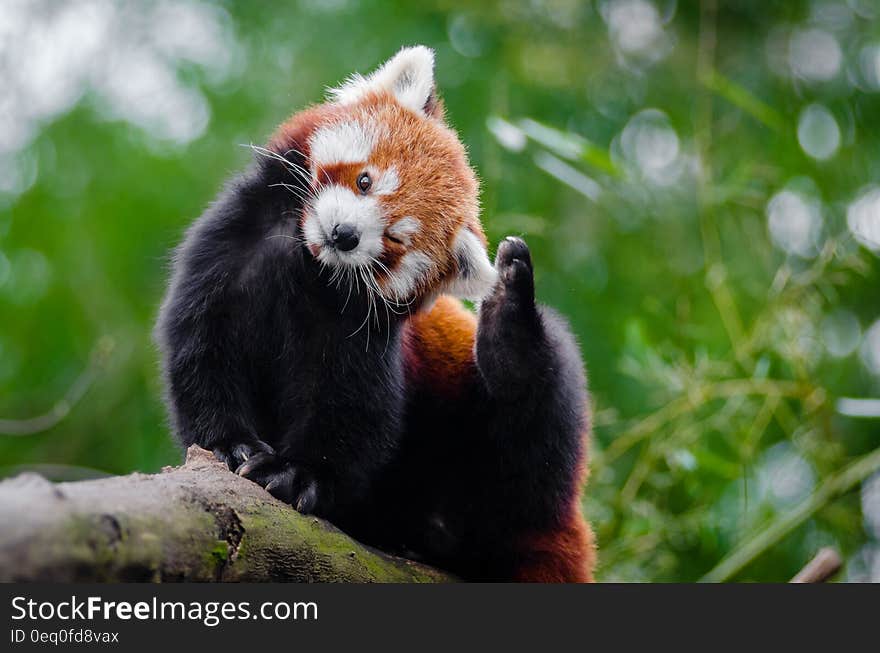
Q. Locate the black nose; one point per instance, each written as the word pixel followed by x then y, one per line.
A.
pixel 345 237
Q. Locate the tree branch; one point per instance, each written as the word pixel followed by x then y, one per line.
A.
pixel 833 487
pixel 197 522
pixel 824 565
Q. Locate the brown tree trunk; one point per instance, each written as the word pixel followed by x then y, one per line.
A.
pixel 197 522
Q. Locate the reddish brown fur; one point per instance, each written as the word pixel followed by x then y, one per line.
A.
pixel 564 556
pixel 440 347
pixel 567 555
pixel 436 183
pixel 294 133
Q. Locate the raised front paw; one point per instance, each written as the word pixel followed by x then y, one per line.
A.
pixel 514 264
pixel 510 328
pixel 291 483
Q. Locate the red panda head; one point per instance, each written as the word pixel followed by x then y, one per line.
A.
pixel 392 199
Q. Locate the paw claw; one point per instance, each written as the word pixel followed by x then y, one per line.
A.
pixel 308 498
pixel 236 455
pixel 283 480
pixel 514 264
pixel 256 463
pixel 242 451
pixel 511 249
pixel 280 484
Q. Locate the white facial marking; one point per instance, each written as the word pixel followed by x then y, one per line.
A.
pixel 476 275
pixel 404 229
pixel 385 182
pixel 411 269
pixel 337 205
pixel 409 75
pixel 345 142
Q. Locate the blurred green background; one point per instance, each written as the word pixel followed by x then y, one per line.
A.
pixel 700 187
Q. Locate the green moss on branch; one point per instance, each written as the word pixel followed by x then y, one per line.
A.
pixel 196 522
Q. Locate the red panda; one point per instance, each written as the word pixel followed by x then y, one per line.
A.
pixel 313 338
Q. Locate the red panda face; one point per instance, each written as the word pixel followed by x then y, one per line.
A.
pixel 393 201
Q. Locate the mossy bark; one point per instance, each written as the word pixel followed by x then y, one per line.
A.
pixel 197 522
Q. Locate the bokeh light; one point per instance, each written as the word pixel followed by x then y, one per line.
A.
pixel 636 29
pixel 651 146
pixel 863 218
pixel 841 333
pixel 127 55
pixel 795 222
pixel 871 505
pixel 818 132
pixel 814 55
pixel 870 349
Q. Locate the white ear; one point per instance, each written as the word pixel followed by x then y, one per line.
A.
pixel 476 276
pixel 409 75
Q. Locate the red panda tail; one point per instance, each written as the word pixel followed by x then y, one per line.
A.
pixel 566 555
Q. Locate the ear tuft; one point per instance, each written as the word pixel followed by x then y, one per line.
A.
pixel 409 75
pixel 475 275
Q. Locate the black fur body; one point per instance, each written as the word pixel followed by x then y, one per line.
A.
pixel 259 360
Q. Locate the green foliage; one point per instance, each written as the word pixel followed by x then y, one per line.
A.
pixel 690 182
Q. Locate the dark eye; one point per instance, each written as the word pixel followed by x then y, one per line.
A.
pixel 364 182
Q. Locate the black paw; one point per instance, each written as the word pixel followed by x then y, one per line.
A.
pixel 235 455
pixel 291 483
pixel 514 264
